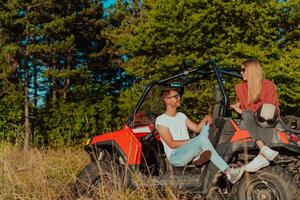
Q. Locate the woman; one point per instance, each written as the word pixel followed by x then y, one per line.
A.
pixel 254 92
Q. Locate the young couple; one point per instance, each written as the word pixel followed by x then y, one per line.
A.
pixel 254 92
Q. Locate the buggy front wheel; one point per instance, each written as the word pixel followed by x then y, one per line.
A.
pixel 107 171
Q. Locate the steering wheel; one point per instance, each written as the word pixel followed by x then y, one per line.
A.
pixel 151 116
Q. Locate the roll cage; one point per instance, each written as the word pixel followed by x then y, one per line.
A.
pixel 201 72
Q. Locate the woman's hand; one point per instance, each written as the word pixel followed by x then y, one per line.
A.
pixel 237 107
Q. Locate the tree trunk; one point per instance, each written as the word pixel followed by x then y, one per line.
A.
pixel 67 83
pixel 35 98
pixel 67 80
pixel 26 111
pixel 53 90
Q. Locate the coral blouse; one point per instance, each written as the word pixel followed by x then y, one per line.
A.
pixel 267 95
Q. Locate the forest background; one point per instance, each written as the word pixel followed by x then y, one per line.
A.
pixel 74 66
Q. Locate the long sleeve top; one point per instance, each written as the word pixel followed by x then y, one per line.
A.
pixel 268 94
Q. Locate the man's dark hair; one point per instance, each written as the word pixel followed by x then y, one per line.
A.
pixel 167 91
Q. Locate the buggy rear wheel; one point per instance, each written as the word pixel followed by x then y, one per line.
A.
pixel 271 183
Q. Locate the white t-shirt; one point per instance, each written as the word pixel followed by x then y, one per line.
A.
pixel 177 127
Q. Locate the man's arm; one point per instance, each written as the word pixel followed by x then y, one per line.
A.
pixel 165 134
pixel 197 127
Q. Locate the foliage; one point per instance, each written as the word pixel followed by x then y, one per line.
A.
pixel 11 119
pixel 57 51
pixel 85 66
pixel 66 123
pixel 172 36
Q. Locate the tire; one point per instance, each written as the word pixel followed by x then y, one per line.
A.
pixel 270 183
pixel 89 179
pixel 292 121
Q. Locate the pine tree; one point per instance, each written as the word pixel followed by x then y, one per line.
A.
pixel 62 43
pixel 16 24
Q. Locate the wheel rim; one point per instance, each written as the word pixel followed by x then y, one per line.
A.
pixel 262 190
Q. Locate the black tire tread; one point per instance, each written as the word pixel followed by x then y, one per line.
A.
pixel 86 179
pixel 281 175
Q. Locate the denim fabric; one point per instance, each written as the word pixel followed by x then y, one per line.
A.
pixel 187 152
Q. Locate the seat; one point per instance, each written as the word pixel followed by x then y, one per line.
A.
pixel 187 169
pixel 282 126
pixel 218 108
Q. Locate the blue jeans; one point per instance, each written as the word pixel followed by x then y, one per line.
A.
pixel 185 153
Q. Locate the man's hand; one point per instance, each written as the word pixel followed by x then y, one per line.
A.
pixel 197 127
pixel 236 107
pixel 207 119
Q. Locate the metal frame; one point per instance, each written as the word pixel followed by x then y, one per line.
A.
pixel 202 71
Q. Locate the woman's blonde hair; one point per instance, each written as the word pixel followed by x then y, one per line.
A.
pixel 255 78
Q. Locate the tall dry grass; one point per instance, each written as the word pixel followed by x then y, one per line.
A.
pixel 50 173
pixel 38 174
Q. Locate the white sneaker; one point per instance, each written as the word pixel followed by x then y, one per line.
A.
pixel 257 163
pixel 269 153
pixel 234 174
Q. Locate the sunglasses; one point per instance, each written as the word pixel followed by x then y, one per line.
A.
pixel 269 121
pixel 242 70
pixel 174 96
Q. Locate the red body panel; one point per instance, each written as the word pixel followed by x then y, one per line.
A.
pixel 243 135
pixel 239 135
pixel 143 134
pixel 283 137
pixel 127 141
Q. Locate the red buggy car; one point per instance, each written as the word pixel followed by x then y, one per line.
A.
pixel 137 148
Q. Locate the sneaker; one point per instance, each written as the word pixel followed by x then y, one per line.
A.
pixel 234 174
pixel 269 153
pixel 257 163
pixel 202 158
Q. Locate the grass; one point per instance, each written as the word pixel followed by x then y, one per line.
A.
pixel 37 174
pixel 50 173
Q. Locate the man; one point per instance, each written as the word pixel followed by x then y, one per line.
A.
pixel 179 148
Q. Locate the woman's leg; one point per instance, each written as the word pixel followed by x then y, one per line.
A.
pixel 248 123
pixel 260 136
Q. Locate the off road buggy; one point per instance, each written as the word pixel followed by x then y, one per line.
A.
pixel 136 150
